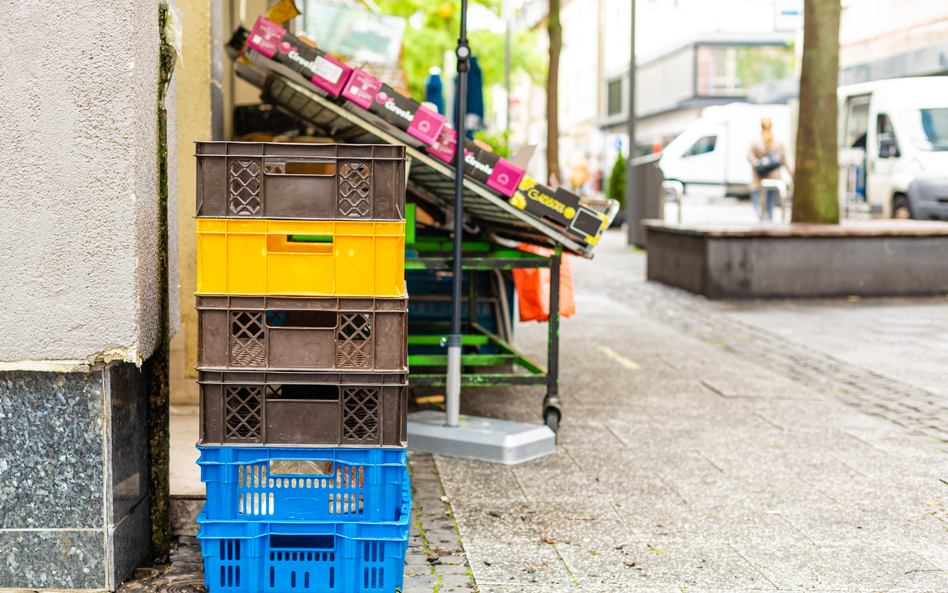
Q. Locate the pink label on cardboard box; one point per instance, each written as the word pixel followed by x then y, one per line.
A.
pixel 361 88
pixel 265 37
pixel 427 125
pixel 445 145
pixel 506 177
pixel 330 74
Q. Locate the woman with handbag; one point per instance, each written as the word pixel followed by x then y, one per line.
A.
pixel 767 158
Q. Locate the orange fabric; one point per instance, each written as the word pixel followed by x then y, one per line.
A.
pixel 533 288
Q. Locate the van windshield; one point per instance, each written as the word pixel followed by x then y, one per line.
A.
pixel 927 128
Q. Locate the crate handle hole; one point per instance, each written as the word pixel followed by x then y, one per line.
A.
pixel 299 168
pixel 304 542
pixel 308 319
pixel 301 467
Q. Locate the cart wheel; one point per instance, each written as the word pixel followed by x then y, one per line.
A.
pixel 551 417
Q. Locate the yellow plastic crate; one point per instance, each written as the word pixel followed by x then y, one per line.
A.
pixel 301 257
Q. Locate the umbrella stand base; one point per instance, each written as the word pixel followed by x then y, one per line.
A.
pixel 483 439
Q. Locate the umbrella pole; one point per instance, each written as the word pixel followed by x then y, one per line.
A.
pixel 453 395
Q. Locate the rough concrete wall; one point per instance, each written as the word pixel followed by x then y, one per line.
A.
pixel 78 206
pixel 174 288
pixel 143 15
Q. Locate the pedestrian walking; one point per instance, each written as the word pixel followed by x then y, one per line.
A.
pixel 767 159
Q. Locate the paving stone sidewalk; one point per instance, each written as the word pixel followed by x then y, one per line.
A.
pixel 698 453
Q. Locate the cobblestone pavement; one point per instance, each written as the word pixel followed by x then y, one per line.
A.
pixel 435 559
pixel 914 408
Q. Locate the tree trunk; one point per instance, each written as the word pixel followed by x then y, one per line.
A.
pixel 552 90
pixel 816 189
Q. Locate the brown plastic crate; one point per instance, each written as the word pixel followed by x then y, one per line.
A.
pixel 300 181
pixel 302 334
pixel 307 409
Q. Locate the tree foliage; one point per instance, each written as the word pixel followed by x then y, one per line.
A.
pixel 616 189
pixel 425 46
pixel 499 142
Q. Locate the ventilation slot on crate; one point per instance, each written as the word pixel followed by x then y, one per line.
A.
pixel 244 414
pixel 245 188
pixel 360 421
pixel 253 497
pixel 354 341
pixel 355 191
pixel 247 339
pixel 348 503
pixel 230 564
pixel 374 576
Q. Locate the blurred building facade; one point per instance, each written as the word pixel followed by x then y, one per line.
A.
pixel 690 54
pixel 881 39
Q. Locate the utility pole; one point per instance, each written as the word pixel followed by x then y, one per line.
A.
pixel 630 169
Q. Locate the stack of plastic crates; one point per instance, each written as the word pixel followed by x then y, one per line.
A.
pixel 303 366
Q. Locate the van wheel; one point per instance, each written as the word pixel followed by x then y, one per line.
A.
pixel 901 208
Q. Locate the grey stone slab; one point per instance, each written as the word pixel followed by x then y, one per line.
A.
pixel 564 588
pixel 555 478
pixel 184 512
pixel 130 542
pixel 498 521
pixel 446 569
pixel 51 450
pixel 457 560
pixel 515 561
pixel 476 480
pixel 417 569
pixel 449 581
pixel 125 385
pixel 599 564
pixel 427 580
pixel 761 385
pixel 859 565
pixel 53 559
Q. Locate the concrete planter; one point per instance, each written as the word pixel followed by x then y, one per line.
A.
pixel 865 258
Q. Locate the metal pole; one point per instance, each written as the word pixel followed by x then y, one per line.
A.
pixel 453 380
pixel 630 170
pixel 506 14
pixel 551 403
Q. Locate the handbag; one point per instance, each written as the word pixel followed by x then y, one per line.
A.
pixel 768 163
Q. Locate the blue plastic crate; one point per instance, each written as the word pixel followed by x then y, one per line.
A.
pixel 242 557
pixel 269 484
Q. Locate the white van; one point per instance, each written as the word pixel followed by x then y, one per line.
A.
pixel 895 135
pixel 710 156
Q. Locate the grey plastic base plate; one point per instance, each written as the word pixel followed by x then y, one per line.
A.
pixel 484 439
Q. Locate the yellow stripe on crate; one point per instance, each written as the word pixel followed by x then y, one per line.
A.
pixel 301 257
